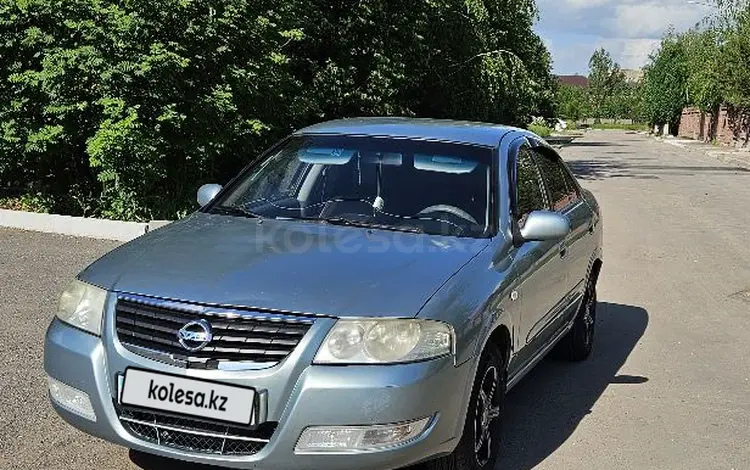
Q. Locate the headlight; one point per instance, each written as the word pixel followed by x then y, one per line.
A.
pixel 82 305
pixel 385 341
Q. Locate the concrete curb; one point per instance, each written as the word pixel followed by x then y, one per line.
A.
pixel 77 226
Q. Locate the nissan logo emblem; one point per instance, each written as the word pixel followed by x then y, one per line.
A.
pixel 195 335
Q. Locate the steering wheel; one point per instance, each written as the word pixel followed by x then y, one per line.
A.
pixel 449 209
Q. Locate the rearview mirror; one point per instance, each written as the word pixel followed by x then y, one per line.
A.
pixel 545 226
pixel 325 156
pixel 444 164
pixel 207 193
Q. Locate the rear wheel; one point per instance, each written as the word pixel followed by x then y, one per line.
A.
pixel 577 344
pixel 479 445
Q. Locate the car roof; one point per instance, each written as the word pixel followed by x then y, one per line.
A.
pixel 443 130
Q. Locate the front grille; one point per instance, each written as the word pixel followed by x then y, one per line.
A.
pixel 238 335
pixel 193 435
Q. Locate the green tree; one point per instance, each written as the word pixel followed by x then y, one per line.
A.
pixel 734 78
pixel 122 108
pixel 704 68
pixel 626 102
pixel 665 83
pixel 605 78
pixel 573 102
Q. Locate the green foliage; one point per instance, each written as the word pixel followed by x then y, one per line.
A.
pixel 540 130
pixel 27 203
pixel 620 126
pixel 122 108
pixel 573 102
pixel 665 88
pixel 734 79
pixel 609 95
pixel 605 81
pixel 705 67
pixel 625 102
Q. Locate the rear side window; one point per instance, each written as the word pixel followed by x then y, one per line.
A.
pixel 570 184
pixel 561 189
pixel 529 189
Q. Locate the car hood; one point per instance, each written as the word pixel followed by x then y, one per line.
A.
pixel 285 265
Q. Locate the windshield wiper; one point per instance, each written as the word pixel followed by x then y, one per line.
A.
pixel 239 211
pixel 356 223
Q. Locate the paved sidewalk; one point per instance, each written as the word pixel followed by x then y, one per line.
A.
pixel 730 155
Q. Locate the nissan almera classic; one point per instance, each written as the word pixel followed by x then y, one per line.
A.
pixel 360 296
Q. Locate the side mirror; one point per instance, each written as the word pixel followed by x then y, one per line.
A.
pixel 207 193
pixel 545 226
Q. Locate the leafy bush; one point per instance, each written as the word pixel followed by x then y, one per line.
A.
pixel 122 109
pixel 27 203
pixel 540 130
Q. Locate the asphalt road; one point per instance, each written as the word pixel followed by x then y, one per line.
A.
pixel 668 386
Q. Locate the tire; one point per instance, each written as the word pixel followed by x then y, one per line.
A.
pixel 578 343
pixel 464 457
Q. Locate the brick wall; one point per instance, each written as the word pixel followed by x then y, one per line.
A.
pixel 728 127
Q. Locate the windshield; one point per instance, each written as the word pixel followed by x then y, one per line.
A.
pixel 393 184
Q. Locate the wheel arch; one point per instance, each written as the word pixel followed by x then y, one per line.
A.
pixel 502 339
pixel 498 334
pixel 596 269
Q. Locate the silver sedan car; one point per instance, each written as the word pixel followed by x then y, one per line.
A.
pixel 362 295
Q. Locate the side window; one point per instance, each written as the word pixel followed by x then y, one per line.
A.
pixel 560 187
pixel 571 185
pixel 529 189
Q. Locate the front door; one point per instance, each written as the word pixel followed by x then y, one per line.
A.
pixel 566 199
pixel 539 265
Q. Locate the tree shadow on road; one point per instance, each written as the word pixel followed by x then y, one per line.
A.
pixel 546 407
pixel 612 168
pixel 589 143
pixel 601 169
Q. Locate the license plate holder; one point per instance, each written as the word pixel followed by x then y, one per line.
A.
pixel 206 400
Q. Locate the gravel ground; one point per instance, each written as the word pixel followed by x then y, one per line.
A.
pixel 34 269
pixel 666 388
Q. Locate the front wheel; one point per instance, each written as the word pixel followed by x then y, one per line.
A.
pixel 479 445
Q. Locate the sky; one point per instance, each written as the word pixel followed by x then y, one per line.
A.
pixel 628 29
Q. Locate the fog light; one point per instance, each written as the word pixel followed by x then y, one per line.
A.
pixel 358 438
pixel 71 399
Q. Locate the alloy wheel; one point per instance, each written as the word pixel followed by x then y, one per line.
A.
pixel 486 412
pixel 589 319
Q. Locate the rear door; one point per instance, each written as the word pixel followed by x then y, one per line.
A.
pixel 580 239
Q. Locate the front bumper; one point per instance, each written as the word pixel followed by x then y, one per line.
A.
pixel 296 393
